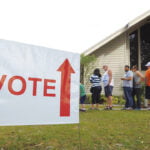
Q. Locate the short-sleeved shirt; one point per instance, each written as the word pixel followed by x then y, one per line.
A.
pixel 147 75
pixel 82 90
pixel 95 80
pixel 128 83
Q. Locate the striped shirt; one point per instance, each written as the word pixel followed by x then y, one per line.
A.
pixel 95 80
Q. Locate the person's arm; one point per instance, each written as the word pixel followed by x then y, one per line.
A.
pixel 128 79
pixel 146 79
pixel 110 76
pixel 91 79
pixel 140 75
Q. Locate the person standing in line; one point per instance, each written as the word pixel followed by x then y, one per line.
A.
pixel 96 88
pixel 82 97
pixel 147 83
pixel 128 87
pixel 108 86
pixel 137 80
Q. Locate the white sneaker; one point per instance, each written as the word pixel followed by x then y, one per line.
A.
pixel 83 109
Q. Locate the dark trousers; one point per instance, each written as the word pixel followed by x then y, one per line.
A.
pixel 96 94
pixel 136 93
pixel 128 96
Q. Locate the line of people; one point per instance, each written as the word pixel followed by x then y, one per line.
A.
pixel 133 81
pixel 96 80
pixel 132 85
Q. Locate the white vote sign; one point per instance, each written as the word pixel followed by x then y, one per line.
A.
pixel 38 85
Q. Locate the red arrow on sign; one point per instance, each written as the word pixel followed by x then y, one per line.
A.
pixel 66 70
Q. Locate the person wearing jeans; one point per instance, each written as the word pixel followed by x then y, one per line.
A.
pixel 128 97
pixel 137 80
pixel 128 87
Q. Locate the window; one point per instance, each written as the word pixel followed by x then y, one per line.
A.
pixel 133 38
pixel 145 45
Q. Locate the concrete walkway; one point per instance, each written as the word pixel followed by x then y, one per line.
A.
pixel 115 107
pixel 122 110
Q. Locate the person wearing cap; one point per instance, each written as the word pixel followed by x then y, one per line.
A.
pixel 128 88
pixel 147 83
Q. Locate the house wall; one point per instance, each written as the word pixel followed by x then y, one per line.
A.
pixel 115 54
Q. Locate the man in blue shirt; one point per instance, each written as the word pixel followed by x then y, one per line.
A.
pixel 128 87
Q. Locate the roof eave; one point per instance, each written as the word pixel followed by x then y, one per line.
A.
pixel 116 34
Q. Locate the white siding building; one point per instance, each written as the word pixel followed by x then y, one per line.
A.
pixel 128 46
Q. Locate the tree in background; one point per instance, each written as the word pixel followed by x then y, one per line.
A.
pixel 85 62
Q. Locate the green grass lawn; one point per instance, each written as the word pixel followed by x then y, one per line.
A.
pixel 99 130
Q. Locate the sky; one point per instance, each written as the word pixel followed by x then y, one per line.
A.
pixel 71 25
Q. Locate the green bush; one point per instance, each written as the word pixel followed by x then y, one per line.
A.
pixel 88 99
pixel 116 100
pixel 143 93
pixel 119 100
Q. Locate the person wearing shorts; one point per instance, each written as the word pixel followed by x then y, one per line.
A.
pixel 82 97
pixel 108 86
pixel 108 90
pixel 147 83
